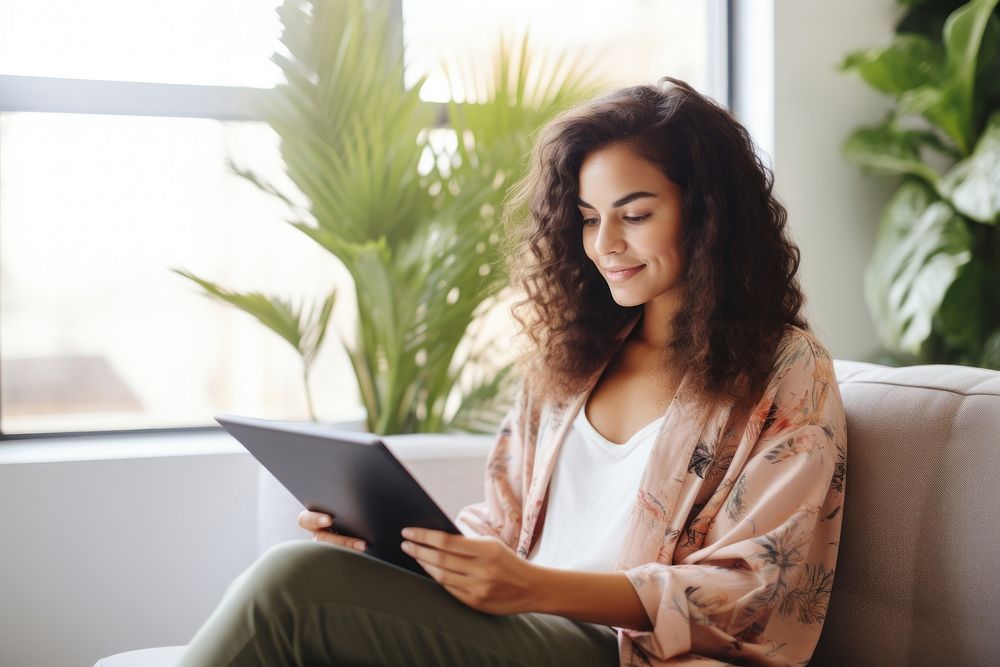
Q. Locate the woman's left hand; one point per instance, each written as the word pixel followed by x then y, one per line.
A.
pixel 480 571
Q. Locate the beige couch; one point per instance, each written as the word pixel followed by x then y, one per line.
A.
pixel 916 580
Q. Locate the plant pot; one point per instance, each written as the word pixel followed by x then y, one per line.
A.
pixel 450 466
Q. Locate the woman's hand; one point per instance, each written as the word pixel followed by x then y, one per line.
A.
pixel 317 523
pixel 480 571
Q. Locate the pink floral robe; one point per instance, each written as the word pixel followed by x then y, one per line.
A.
pixel 732 541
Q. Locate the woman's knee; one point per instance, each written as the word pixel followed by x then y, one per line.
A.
pixel 294 573
pixel 298 574
pixel 290 564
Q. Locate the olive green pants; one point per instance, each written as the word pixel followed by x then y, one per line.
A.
pixel 313 603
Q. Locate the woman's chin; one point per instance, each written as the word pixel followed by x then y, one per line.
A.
pixel 626 300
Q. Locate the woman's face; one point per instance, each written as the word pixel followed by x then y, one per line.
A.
pixel 631 225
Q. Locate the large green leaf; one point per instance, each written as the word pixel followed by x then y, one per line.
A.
pixel 938 105
pixel 963 40
pixel 890 149
pixel 921 247
pixel 910 61
pixel 973 185
pixel 949 103
pixel 962 318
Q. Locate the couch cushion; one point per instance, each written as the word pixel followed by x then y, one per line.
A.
pixel 916 581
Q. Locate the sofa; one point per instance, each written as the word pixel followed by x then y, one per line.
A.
pixel 916 580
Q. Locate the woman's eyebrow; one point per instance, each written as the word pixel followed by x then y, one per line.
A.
pixel 621 202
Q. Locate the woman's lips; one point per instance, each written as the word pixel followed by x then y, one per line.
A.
pixel 624 274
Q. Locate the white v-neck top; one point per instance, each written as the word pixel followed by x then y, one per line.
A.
pixel 593 488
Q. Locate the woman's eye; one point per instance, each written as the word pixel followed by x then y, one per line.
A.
pixel 636 218
pixel 588 221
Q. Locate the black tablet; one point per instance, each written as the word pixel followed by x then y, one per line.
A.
pixel 348 474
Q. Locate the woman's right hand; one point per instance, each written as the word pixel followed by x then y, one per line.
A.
pixel 317 524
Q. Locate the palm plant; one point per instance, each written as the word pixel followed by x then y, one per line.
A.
pixel 415 224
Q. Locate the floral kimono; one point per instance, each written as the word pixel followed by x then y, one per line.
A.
pixel 732 540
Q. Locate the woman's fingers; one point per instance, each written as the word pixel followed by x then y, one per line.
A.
pixel 317 523
pixel 339 540
pixel 313 521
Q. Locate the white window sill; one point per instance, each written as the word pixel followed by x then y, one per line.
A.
pixel 104 447
pixel 421 446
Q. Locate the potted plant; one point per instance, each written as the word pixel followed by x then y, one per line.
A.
pixel 933 282
pixel 415 222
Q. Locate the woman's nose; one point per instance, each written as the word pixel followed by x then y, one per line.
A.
pixel 609 238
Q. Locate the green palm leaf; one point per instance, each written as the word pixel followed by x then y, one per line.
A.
pixel 303 328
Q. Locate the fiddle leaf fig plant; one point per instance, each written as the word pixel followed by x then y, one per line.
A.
pixel 933 282
pixel 407 196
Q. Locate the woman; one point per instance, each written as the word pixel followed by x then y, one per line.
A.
pixel 667 486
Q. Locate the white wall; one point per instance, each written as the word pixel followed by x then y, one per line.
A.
pixel 103 556
pixel 800 108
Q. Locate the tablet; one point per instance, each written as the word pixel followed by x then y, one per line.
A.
pixel 349 474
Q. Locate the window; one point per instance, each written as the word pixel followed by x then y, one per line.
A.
pixel 116 121
pixel 205 42
pixel 97 332
pixel 626 43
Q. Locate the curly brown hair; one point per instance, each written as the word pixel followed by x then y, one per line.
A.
pixel 740 286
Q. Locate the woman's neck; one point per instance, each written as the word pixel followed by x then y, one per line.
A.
pixel 656 327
